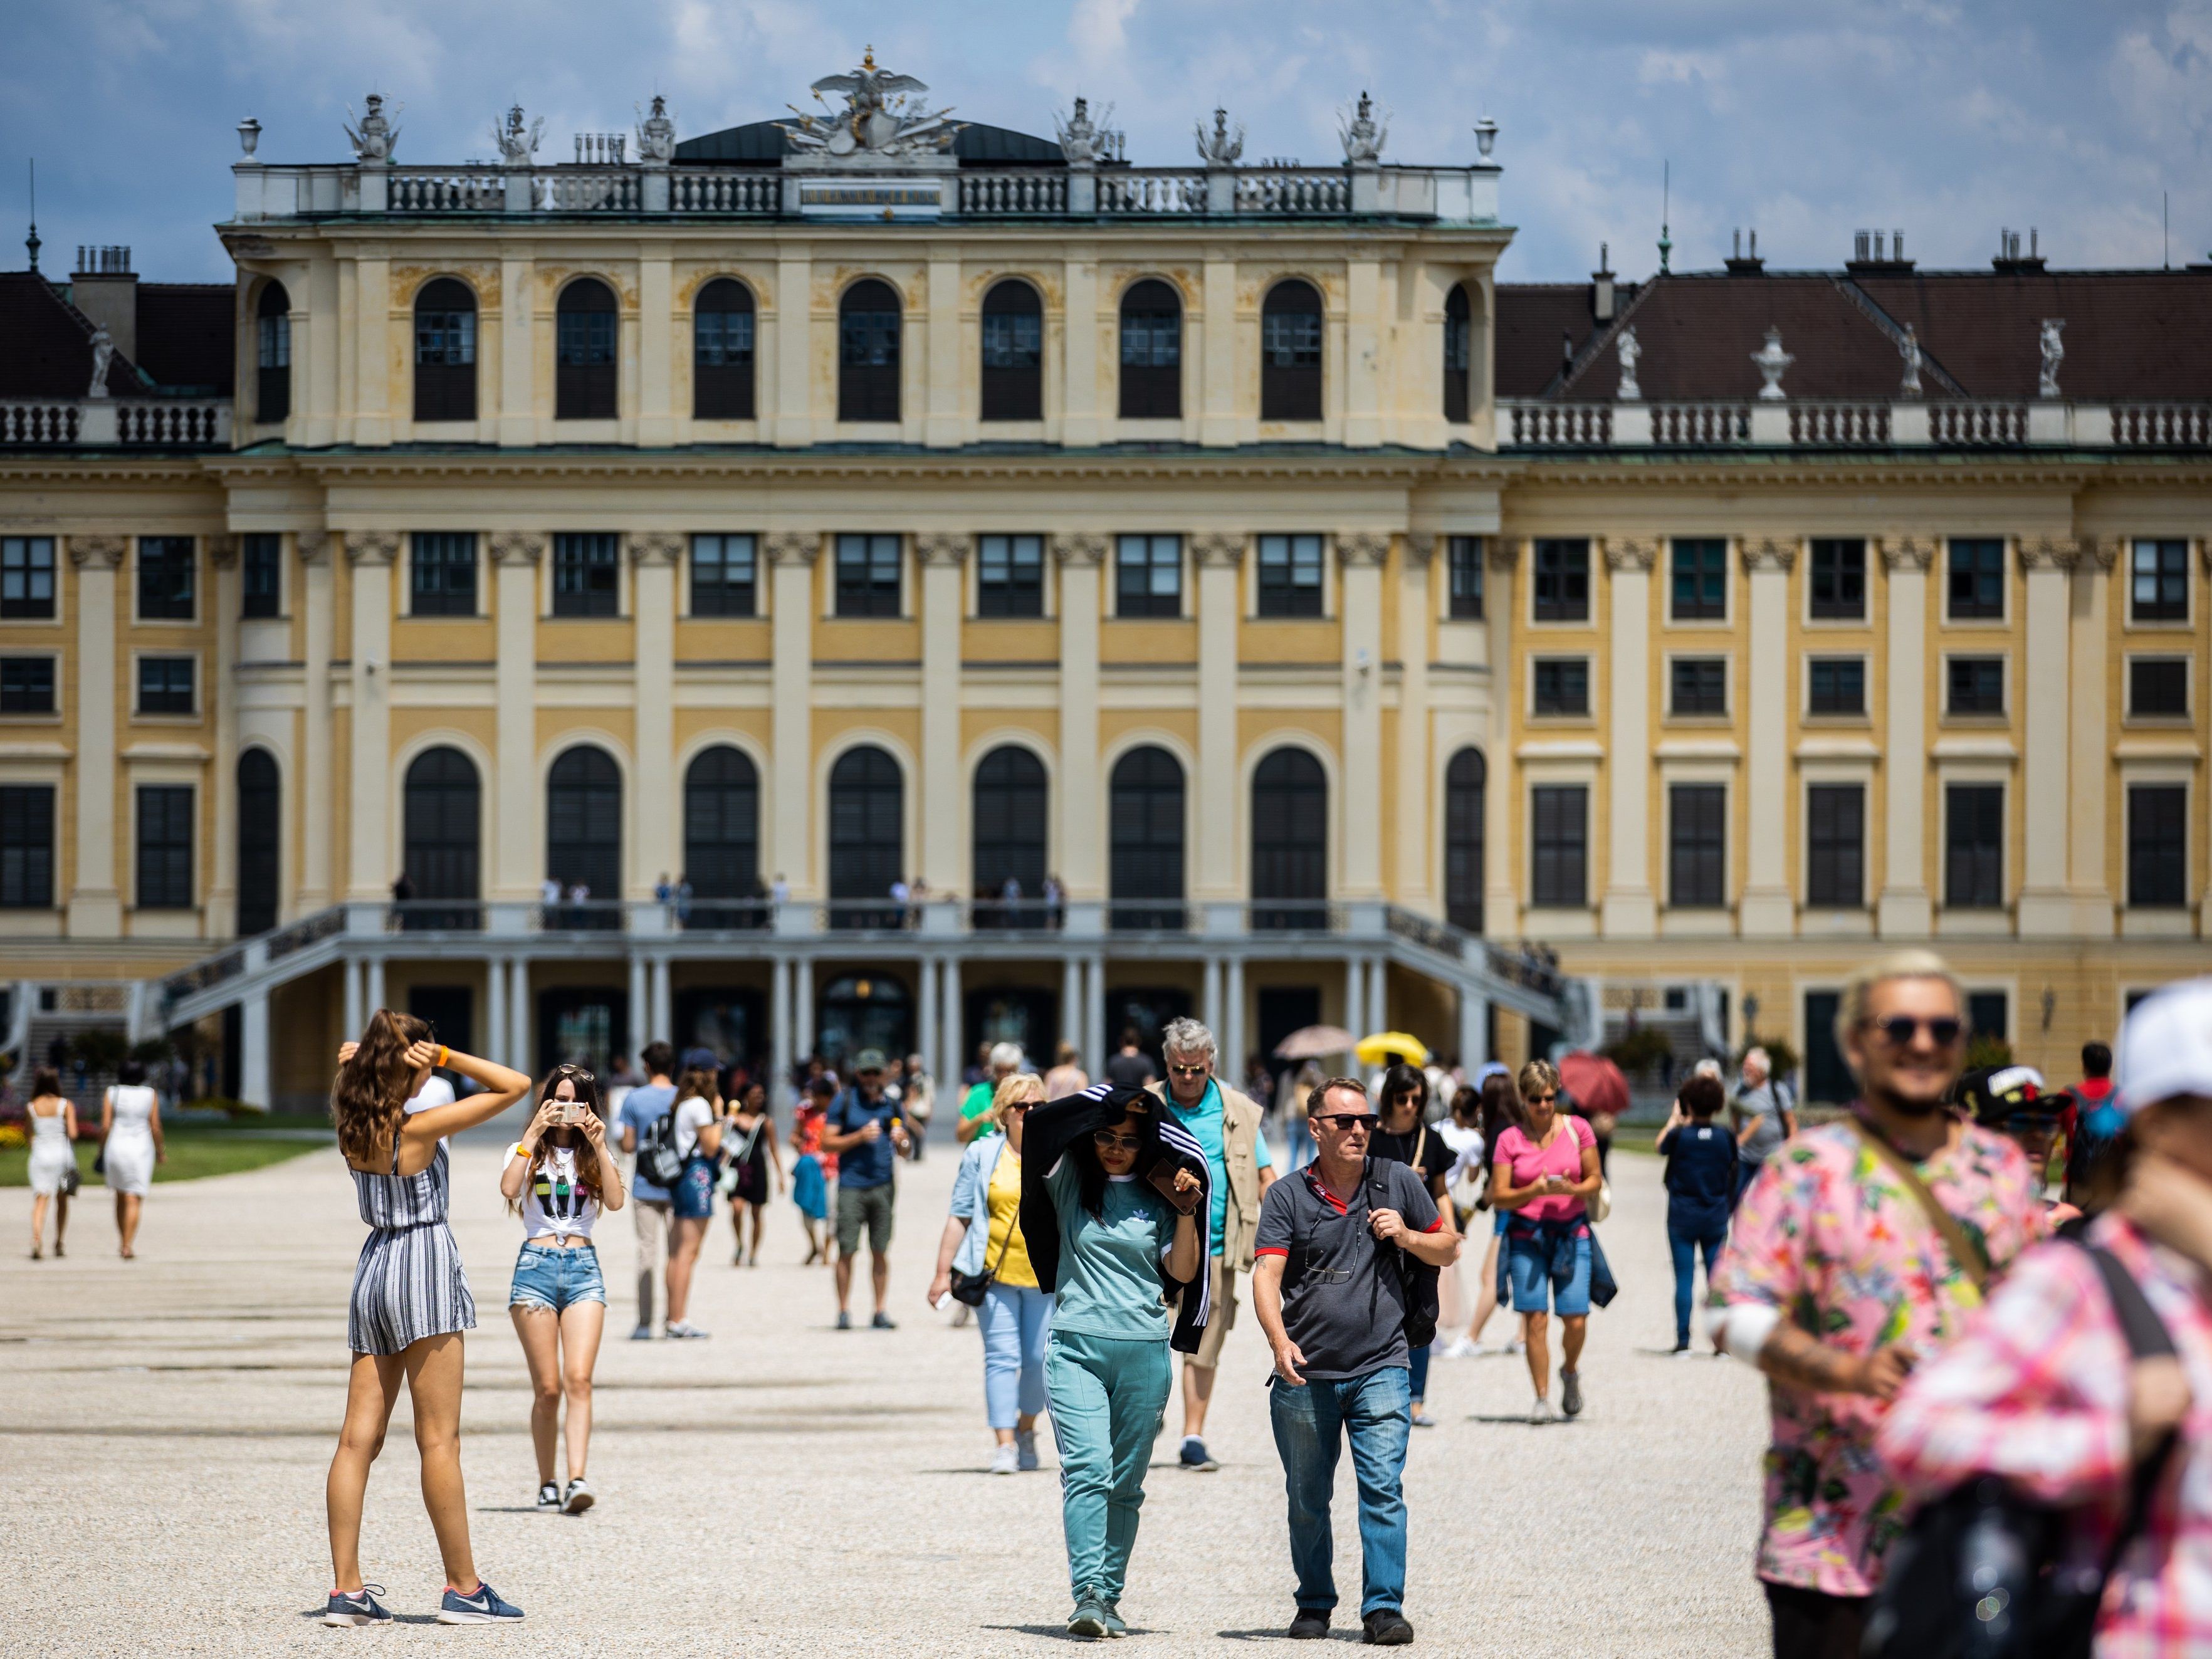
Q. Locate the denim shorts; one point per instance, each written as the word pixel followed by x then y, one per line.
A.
pixel 1551 1267
pixel 693 1199
pixel 548 1277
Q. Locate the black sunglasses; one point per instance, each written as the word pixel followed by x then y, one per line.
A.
pixel 1346 1122
pixel 1899 1029
pixel 1106 1141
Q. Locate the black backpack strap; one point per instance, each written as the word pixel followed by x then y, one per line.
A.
pixel 2148 1338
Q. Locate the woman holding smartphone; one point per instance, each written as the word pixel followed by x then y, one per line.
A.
pixel 1544 1174
pixel 410 1299
pixel 558 1178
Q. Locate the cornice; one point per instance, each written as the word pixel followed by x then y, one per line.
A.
pixel 793 547
pixel 1905 552
pixel 1358 549
pixel 941 549
pixel 1624 553
pixel 517 547
pixel 1217 548
pixel 1769 553
pixel 655 547
pixel 89 551
pixel 1081 550
pixel 372 546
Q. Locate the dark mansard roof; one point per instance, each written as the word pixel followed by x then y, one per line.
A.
pixel 762 143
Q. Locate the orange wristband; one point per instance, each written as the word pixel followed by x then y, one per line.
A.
pixel 444 1054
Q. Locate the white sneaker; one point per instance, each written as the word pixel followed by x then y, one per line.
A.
pixel 577 1499
pixel 685 1331
pixel 1541 1412
pixel 1006 1460
pixel 1460 1347
pixel 1515 1347
pixel 1025 1448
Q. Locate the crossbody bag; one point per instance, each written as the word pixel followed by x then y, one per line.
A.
pixel 970 1288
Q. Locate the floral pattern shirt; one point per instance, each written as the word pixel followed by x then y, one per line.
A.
pixel 1830 1238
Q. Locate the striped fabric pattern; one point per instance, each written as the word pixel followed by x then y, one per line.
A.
pixel 409 1283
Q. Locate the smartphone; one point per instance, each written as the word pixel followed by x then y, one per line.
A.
pixel 1162 1177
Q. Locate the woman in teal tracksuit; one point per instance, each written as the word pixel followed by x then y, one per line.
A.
pixel 1124 1253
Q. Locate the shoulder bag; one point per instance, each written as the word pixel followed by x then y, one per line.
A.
pixel 658 1160
pixel 1965 1255
pixel 970 1288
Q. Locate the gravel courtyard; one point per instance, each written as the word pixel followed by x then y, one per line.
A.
pixel 785 1488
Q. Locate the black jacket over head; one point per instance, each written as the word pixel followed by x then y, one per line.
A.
pixel 1048 1133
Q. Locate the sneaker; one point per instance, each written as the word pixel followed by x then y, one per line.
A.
pixel 685 1331
pixel 1006 1460
pixel 1541 1412
pixel 549 1495
pixel 882 1321
pixel 1115 1625
pixel 480 1606
pixel 1423 1420
pixel 1460 1347
pixel 1680 1350
pixel 1025 1448
pixel 578 1498
pixel 1570 1392
pixel 1310 1625
pixel 844 1319
pixel 1516 1346
pixel 1386 1627
pixel 358 1607
pixel 1089 1618
pixel 642 1334
pixel 1194 1457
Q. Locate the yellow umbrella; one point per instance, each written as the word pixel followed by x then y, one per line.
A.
pixel 1384 1047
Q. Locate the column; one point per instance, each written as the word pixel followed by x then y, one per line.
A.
pixel 1216 347
pixel 2046 905
pixel 1220 559
pixel 791 412
pixel 1629 910
pixel 1209 1005
pixel 372 986
pixel 1071 1009
pixel 1378 995
pixel 802 1006
pixel 223 780
pixel 1413 781
pixel 1232 1014
pixel 641 1001
pixel 517 861
pixel 253 1049
pixel 1903 910
pixel 663 1027
pixel 2090 601
pixel 953 1037
pixel 96 905
pixel 519 1020
pixel 1501 895
pixel 655 806
pixel 926 1023
pixel 1473 1027
pixel 356 1000
pixel 1768 910
pixel 783 1060
pixel 371 554
pixel 518 357
pixel 1094 995
pixel 1083 421
pixel 1355 994
pixel 656 351
pixel 496 997
pixel 944 363
pixel 316 830
pixel 790 556
pixel 943 560
pixel 1082 559
pixel 1362 555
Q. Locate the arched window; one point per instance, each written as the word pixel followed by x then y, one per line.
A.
pixel 272 335
pixel 1290 352
pixel 583 369
pixel 446 351
pixel 1152 352
pixel 1464 782
pixel 868 353
pixel 1458 352
pixel 721 841
pixel 1146 820
pixel 722 352
pixel 440 838
pixel 260 840
pixel 1010 805
pixel 867 838
pixel 1013 353
pixel 1289 840
pixel 583 837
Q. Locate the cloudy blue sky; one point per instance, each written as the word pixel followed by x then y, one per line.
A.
pixel 1947 117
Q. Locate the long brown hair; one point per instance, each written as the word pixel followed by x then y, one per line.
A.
pixel 586 1085
pixel 370 1095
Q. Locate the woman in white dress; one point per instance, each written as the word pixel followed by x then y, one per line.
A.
pixel 53 1158
pixel 131 1145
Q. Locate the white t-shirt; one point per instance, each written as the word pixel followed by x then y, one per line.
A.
pixel 554 1205
pixel 1467 1143
pixel 693 1116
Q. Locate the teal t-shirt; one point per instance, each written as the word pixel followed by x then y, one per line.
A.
pixel 1110 1264
pixel 1204 1122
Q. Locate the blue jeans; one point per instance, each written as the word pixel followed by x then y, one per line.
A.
pixel 1686 1242
pixel 1549 1265
pixel 548 1277
pixel 1108 1398
pixel 1016 1320
pixel 1311 1425
pixel 1417 1373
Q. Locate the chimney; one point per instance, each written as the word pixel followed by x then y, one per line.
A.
pixel 106 290
pixel 1740 264
pixel 1602 298
pixel 2010 261
pixel 1877 253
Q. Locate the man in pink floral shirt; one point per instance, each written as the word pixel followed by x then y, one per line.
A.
pixel 1836 1281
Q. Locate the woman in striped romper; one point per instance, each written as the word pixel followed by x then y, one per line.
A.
pixel 410 1299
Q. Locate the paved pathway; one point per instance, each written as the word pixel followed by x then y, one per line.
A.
pixel 784 1488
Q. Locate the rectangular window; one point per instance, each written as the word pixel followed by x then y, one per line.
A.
pixel 1835 846
pixel 868 575
pixel 1977 583
pixel 725 576
pixel 1562 686
pixel 443 578
pixel 165 846
pixel 1290 575
pixel 1986 1012
pixel 1974 846
pixel 1974 685
pixel 2158 846
pixel 1839 579
pixel 1701 571
pixel 1827 1076
pixel 27 686
pixel 1148 576
pixel 1699 685
pixel 1561 585
pixel 1559 830
pixel 1464 554
pixel 27 847
pixel 2158 686
pixel 261 571
pixel 1835 685
pixel 164 684
pixel 1009 576
pixel 2158 581
pixel 165 578
pixel 587 571
pixel 1697 845
pixel 27 577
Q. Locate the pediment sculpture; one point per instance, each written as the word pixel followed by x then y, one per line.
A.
pixel 517 143
pixel 373 140
pixel 882 117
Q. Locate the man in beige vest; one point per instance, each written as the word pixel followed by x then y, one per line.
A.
pixel 1226 1123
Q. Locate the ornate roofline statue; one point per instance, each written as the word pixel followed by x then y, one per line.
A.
pixel 880 119
pixel 1083 142
pixel 1362 137
pixel 517 144
pixel 1909 348
pixel 2054 353
pixel 374 139
pixel 1773 360
pixel 1220 148
pixel 103 353
pixel 1628 351
pixel 656 134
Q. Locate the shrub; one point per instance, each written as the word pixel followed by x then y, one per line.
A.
pixel 100 1048
pixel 1984 1049
pixel 1640 1048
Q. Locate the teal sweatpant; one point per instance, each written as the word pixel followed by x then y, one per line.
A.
pixel 1108 1398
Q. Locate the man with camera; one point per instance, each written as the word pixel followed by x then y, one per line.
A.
pixel 866 1130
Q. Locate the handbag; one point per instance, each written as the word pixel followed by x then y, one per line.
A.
pixel 1603 1288
pixel 971 1288
pixel 71 1180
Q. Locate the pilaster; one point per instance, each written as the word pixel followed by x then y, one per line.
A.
pixel 1362 555
pixel 792 413
pixel 656 349
pixel 517 865
pixel 1362 354
pixel 1083 422
pixel 518 355
pixel 2089 599
pixel 1082 559
pixel 654 820
pixel 944 363
pixel 2046 901
pixel 1905 910
pixel 1629 910
pixel 1217 421
pixel 1501 895
pixel 95 902
pixel 1219 557
pixel 1768 910
pixel 318 834
pixel 1413 761
pixel 223 779
pixel 944 561
pixel 372 424
pixel 791 557
pixel 371 554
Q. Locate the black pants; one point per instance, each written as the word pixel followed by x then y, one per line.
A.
pixel 1808 1624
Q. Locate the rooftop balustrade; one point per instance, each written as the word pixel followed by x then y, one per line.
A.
pixel 1533 424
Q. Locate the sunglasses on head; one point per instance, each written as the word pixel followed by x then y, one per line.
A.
pixel 1899 1029
pixel 1346 1123
pixel 1106 1140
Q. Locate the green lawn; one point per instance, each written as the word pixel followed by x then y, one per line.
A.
pixel 200 1149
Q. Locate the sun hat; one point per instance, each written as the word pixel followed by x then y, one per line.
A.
pixel 2166 1046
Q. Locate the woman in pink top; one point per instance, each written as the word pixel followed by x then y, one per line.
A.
pixel 1542 1175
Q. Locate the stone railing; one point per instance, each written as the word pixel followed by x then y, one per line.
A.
pixel 2162 426
pixel 1152 190
pixel 179 424
pixel 1699 425
pixel 1558 426
pixel 1977 425
pixel 106 422
pixel 1280 190
pixel 1849 425
pixel 753 191
pixel 41 421
pixel 446 189
pixel 1947 423
pixel 1037 190
pixel 587 190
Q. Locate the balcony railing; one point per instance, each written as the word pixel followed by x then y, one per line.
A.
pixel 116 422
pixel 1819 424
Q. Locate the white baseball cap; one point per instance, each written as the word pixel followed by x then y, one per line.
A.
pixel 2166 1046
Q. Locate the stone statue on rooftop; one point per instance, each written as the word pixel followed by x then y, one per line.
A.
pixel 1082 141
pixel 517 144
pixel 1773 360
pixel 1628 351
pixel 103 353
pixel 1220 148
pixel 1362 137
pixel 656 134
pixel 1909 348
pixel 2054 353
pixel 373 140
pixel 880 118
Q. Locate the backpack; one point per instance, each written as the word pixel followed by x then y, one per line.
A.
pixel 658 1160
pixel 1420 1278
pixel 2096 1135
pixel 1983 1571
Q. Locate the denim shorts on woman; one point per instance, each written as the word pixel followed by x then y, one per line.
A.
pixel 693 1196
pixel 1553 1267
pixel 548 1277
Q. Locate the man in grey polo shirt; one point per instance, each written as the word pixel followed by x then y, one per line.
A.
pixel 1329 1287
pixel 1764 1119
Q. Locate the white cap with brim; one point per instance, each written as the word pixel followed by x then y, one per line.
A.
pixel 2166 1046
